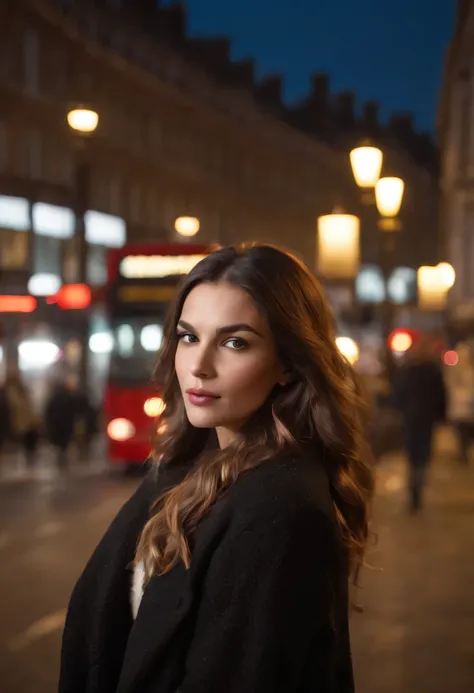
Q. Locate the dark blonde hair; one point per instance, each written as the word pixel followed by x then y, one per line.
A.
pixel 321 409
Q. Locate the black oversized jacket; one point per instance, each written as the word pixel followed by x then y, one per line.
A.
pixel 263 608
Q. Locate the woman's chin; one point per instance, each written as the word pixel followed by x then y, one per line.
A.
pixel 202 419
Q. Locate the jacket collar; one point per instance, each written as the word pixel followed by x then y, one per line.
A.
pixel 165 604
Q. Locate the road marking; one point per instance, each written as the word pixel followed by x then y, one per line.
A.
pixel 49 529
pixel 39 629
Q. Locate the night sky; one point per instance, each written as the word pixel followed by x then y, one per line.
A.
pixel 389 51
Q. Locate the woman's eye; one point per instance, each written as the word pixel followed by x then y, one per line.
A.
pixel 236 343
pixel 186 337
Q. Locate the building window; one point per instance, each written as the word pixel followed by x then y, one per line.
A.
pixel 31 61
pixel 96 265
pixel 47 255
pixel 14 246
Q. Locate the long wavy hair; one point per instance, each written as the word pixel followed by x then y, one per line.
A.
pixel 321 409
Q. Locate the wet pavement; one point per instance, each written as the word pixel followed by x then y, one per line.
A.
pixel 416 634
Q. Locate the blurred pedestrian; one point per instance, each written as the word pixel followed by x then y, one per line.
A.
pixel 21 423
pixel 241 541
pixel 86 424
pixel 60 417
pixel 460 386
pixel 419 393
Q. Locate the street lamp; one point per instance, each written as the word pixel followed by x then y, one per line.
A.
pixel 447 274
pixel 366 162
pixel 187 226
pixel 83 122
pixel 338 245
pixel 434 284
pixel 388 196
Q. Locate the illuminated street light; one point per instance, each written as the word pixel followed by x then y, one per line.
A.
pixel 447 274
pixel 338 245
pixel 83 120
pixel 187 226
pixel 389 196
pixel 432 290
pixel 366 163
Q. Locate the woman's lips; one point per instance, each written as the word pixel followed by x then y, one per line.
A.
pixel 201 398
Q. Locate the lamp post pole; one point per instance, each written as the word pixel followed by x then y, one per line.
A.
pixel 82 191
pixel 366 162
pixel 83 122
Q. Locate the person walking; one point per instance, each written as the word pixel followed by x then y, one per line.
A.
pixel 60 417
pixel 22 427
pixel 228 570
pixel 419 394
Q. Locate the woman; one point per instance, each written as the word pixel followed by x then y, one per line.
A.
pixel 228 569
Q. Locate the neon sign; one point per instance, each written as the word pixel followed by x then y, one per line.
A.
pixel 157 266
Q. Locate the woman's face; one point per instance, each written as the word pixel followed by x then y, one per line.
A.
pixel 226 360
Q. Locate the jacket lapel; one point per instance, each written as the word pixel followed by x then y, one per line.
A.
pixel 166 603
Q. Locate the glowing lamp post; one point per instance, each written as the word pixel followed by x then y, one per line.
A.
pixel 83 122
pixel 366 163
pixel 187 226
pixel 338 245
pixel 434 284
pixel 447 274
pixel 389 197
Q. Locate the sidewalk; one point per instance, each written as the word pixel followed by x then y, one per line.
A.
pixel 416 634
pixel 13 467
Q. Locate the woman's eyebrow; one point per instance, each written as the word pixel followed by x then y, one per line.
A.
pixel 225 329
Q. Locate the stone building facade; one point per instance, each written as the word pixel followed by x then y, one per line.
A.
pixel 456 134
pixel 184 130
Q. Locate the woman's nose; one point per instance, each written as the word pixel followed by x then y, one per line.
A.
pixel 203 366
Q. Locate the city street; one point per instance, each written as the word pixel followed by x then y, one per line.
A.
pixel 415 634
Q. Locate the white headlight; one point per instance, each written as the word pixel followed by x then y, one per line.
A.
pixel 37 353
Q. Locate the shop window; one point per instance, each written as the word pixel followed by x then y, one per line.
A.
pixel 13 249
pixel 47 255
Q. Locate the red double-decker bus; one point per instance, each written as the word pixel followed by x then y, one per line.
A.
pixel 141 281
